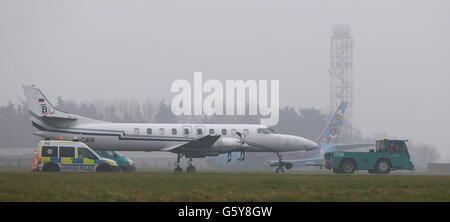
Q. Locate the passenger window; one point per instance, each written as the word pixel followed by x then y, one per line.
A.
pixel 50 151
pixel 136 131
pixel 85 153
pixel 149 131
pixel 233 132
pixel 161 131
pixel 199 131
pixel 224 131
pixel 211 131
pixel 67 151
pixel 174 131
pixel 186 131
pixel 246 132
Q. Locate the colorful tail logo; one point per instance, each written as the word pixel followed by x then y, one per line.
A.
pixel 332 132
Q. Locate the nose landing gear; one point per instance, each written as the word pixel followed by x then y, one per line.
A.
pixel 281 165
pixel 279 170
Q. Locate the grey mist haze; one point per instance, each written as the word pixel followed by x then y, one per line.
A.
pixel 89 50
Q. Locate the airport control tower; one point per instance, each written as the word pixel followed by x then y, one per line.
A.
pixel 341 72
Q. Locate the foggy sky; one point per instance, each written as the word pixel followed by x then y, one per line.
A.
pixel 89 50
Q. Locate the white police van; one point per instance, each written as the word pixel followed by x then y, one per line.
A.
pixel 60 155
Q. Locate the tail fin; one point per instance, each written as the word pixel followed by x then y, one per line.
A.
pixel 39 106
pixel 331 134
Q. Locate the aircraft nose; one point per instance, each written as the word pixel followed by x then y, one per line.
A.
pixel 311 145
pixel 308 145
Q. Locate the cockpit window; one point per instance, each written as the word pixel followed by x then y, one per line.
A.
pixel 266 131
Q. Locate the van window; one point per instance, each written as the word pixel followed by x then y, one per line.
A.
pixel 161 131
pixel 85 153
pixel 136 131
pixel 149 131
pixel 224 131
pixel 211 131
pixel 66 151
pixel 50 151
pixel 174 131
pixel 108 154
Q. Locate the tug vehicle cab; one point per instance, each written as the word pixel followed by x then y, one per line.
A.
pixel 389 155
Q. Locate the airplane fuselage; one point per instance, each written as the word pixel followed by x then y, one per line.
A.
pixel 162 137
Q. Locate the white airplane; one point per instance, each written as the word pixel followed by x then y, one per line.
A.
pixel 186 140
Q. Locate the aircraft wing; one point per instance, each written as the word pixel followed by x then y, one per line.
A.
pixel 344 147
pixel 199 145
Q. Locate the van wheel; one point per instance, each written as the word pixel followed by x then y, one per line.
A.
pixel 127 169
pixel 383 166
pixel 50 167
pixel 348 166
pixel 115 169
pixel 103 168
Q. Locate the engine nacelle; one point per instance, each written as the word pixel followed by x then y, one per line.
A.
pixel 227 144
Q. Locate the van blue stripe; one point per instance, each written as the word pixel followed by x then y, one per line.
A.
pixel 55 159
pixel 77 160
pixel 99 161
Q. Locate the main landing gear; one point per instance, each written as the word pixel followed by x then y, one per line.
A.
pixel 178 169
pixel 189 169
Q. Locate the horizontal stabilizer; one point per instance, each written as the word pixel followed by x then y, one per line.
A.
pixel 60 117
